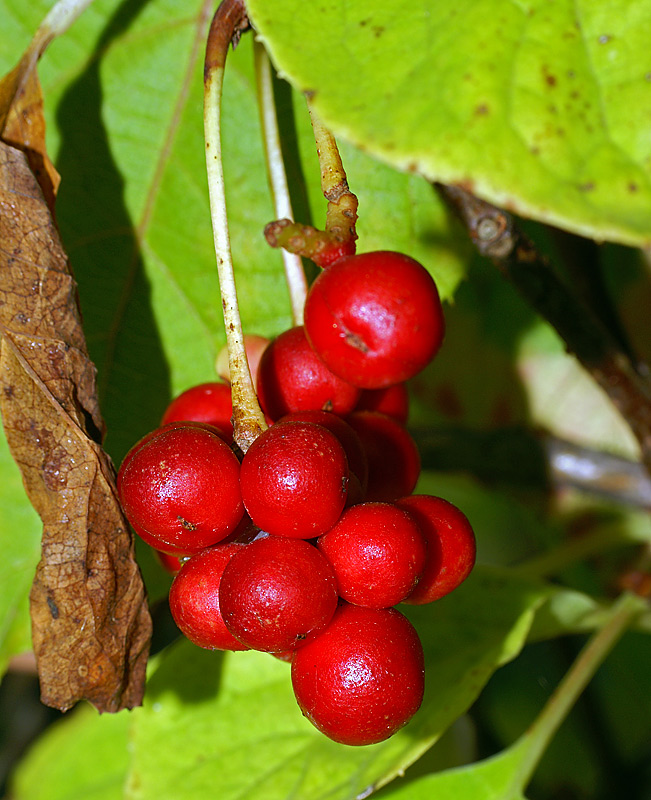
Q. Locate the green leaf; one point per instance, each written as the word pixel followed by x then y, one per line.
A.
pixel 492 779
pixel 540 108
pixel 20 536
pixel 127 131
pixel 84 755
pixel 123 100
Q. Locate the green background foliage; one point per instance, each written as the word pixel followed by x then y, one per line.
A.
pixel 522 101
pixel 540 107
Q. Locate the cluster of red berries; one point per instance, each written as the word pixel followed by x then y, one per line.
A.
pixel 303 546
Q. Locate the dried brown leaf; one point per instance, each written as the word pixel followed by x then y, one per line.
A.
pixel 21 116
pixel 90 621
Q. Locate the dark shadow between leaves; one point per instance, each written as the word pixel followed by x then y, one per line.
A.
pixel 101 240
pixel 191 673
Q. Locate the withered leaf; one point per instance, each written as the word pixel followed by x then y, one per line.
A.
pixel 90 622
pixel 21 116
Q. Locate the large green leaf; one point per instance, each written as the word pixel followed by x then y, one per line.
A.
pixel 493 779
pixel 123 101
pixel 133 205
pixel 84 755
pixel 543 108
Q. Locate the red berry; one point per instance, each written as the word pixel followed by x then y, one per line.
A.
pixel 291 377
pixel 294 480
pixel 377 552
pixel 333 251
pixel 451 546
pixel 170 562
pixel 194 599
pixel 207 402
pixel 392 401
pixel 355 453
pixel 154 433
pixel 277 593
pixel 375 319
pixel 180 489
pixel 393 458
pixel 362 679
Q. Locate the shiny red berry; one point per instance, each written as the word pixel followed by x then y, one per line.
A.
pixel 392 401
pixel 355 453
pixel 451 546
pixel 377 552
pixel 170 562
pixel 194 599
pixel 294 480
pixel 393 457
pixel 277 593
pixel 362 679
pixel 180 489
pixel 291 377
pixel 375 319
pixel 207 402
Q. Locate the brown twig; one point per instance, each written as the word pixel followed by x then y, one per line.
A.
pixel 496 236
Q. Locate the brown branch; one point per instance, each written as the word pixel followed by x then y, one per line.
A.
pixel 496 236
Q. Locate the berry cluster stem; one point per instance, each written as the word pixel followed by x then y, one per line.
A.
pixel 338 239
pixel 342 203
pixel 228 23
pixel 294 272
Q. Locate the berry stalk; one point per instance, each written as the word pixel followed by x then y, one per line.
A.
pixel 342 203
pixel 294 273
pixel 229 22
pixel 324 247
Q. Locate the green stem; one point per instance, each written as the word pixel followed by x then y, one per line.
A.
pixel 294 273
pixel 248 419
pixel 538 737
pixel 342 203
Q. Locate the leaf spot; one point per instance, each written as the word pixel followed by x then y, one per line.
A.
pixel 54 609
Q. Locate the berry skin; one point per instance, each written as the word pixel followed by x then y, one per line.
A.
pixel 277 593
pixel 291 377
pixel 451 546
pixel 377 552
pixel 393 458
pixel 294 480
pixel 375 319
pixel 170 562
pixel 355 453
pixel 362 679
pixel 392 401
pixel 194 599
pixel 180 490
pixel 208 402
